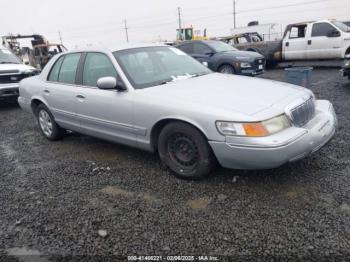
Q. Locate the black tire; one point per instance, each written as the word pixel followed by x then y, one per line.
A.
pixel 53 132
pixel 227 69
pixel 185 151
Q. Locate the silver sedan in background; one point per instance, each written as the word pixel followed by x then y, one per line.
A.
pixel 159 99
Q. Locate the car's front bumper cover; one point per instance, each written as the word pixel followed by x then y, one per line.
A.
pixel 9 90
pixel 289 145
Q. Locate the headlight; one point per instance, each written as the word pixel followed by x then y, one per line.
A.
pixel 259 129
pixel 347 64
pixel 246 65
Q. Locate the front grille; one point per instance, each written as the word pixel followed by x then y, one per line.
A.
pixel 9 79
pixel 9 72
pixel 303 113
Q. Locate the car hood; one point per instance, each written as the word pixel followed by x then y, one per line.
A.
pixel 13 67
pixel 240 94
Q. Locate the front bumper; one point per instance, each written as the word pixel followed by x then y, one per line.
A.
pixel 252 72
pixel 289 145
pixel 9 90
pixel 345 72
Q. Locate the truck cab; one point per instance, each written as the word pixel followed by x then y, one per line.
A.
pixel 320 40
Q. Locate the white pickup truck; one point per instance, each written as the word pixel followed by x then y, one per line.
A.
pixel 318 40
pixel 327 39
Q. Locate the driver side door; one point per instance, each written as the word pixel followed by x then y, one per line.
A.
pixel 103 113
pixel 202 53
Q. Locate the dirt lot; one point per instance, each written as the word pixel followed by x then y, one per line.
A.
pixel 83 196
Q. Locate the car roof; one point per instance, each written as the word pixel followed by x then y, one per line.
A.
pixel 117 48
pixel 198 41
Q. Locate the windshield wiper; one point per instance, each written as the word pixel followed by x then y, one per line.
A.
pixel 199 74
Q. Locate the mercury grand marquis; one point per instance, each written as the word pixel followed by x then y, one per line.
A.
pixel 159 99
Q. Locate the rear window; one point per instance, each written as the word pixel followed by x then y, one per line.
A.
pixel 69 68
pixel 53 76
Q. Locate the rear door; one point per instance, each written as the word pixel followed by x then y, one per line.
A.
pixel 325 42
pixel 60 90
pixel 103 113
pixel 295 43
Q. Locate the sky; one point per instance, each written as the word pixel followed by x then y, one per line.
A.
pixel 100 23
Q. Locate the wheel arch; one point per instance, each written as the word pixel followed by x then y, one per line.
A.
pixel 347 51
pixel 224 63
pixel 158 126
pixel 35 102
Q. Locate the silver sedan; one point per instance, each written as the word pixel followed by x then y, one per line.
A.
pixel 158 99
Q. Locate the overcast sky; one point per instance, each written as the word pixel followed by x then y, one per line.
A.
pixel 100 22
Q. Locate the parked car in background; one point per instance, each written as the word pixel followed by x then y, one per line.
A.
pixel 12 71
pixel 159 99
pixel 223 58
pixel 346 67
pixel 318 40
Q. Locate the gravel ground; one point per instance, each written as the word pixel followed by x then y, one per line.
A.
pixel 86 197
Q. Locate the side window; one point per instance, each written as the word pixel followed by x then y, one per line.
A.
pixel 242 40
pixel 199 48
pixel 69 69
pixel 321 29
pixel 53 76
pixel 187 48
pixel 97 65
pixel 298 31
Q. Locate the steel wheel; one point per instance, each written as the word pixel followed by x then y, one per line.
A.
pixel 183 150
pixel 45 123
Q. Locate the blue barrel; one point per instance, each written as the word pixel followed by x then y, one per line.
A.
pixel 300 76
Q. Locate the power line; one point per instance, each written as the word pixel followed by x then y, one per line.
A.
pixel 60 36
pixel 179 14
pixel 234 13
pixel 126 31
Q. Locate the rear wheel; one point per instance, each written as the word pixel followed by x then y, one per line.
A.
pixel 47 124
pixel 226 69
pixel 185 151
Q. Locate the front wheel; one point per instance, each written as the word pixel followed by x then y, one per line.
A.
pixel 47 124
pixel 227 69
pixel 185 151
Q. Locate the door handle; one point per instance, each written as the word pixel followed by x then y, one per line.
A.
pixel 80 97
pixel 309 42
pixel 287 44
pixel 46 91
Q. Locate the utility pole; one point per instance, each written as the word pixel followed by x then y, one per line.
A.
pixel 179 13
pixel 126 31
pixel 234 14
pixel 59 34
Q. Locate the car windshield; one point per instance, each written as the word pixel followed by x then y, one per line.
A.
pixel 341 26
pixel 152 66
pixel 6 57
pixel 219 46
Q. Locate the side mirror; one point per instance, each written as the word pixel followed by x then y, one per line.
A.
pixel 110 82
pixel 209 53
pixel 333 33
